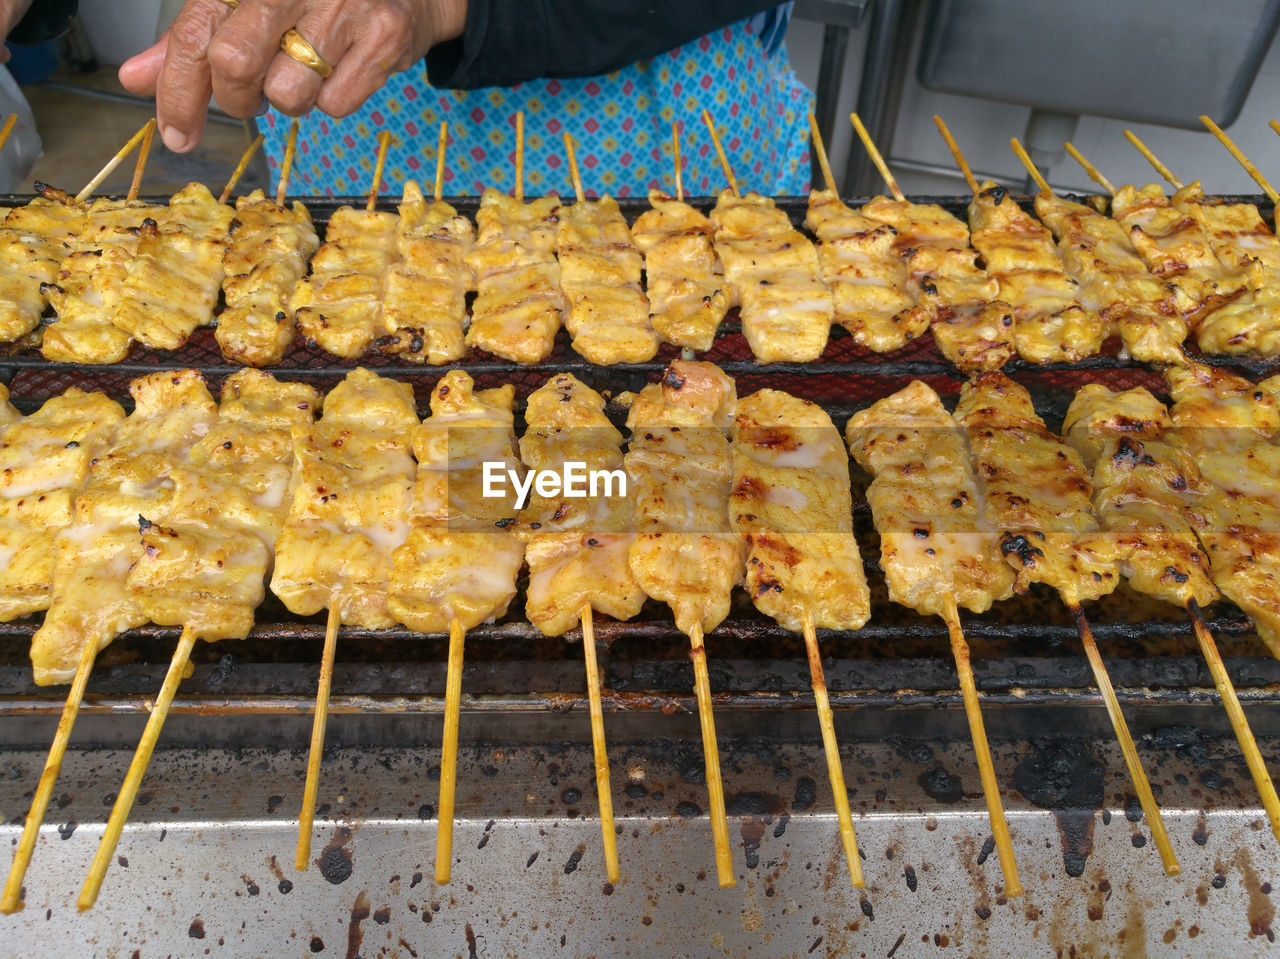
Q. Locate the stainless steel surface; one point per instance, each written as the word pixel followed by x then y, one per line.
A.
pixel 884 71
pixel 206 862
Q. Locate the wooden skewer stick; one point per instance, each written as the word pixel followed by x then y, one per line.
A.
pixel 7 130
pixel 1094 173
pixel 140 164
pixel 1231 702
pixel 137 769
pixel 876 158
pixel 834 769
pixel 440 151
pixel 286 168
pixel 520 155
pixel 384 142
pixel 1243 160
pixel 11 901
pixel 1137 775
pixel 986 770
pixel 1151 158
pixel 1037 177
pixel 724 160
pixel 238 172
pixel 449 754
pixel 573 167
pixel 1275 125
pixel 954 147
pixel 115 161
pixel 307 817
pixel 675 156
pixel 711 755
pixel 604 789
pixel 820 149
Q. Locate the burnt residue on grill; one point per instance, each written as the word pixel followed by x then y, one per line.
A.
pixel 335 859
pixel 355 931
pixel 1261 912
pixel 941 786
pixel 757 811
pixel 1065 777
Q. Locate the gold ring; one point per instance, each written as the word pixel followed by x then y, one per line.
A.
pixel 295 45
pixel 232 3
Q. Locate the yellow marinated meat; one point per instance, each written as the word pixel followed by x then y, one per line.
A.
pixel 204 566
pixel 352 479
pixel 461 559
pixel 678 461
pixel 1050 325
pixel 576 547
pixel 785 308
pixel 90 601
pixel 518 307
pixel 424 309
pixel 688 292
pixel 44 462
pixel 267 255
pixel 867 276
pixel 339 306
pixel 1037 491
pixel 937 545
pixel 34 240
pixel 793 508
pixel 600 266
pixel 954 296
pixel 1143 487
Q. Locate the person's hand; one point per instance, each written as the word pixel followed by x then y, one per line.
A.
pixel 233 52
pixel 11 11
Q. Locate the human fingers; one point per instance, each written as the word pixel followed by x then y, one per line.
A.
pixel 140 73
pixel 383 44
pixel 241 52
pixel 184 84
pixel 328 26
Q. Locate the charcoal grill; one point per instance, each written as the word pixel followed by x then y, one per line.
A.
pixel 205 864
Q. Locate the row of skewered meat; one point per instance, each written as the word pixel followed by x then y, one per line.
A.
pixel 180 512
pixel 1006 284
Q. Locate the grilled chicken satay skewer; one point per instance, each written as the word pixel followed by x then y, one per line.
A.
pixel 1049 322
pixel 34 240
pixel 862 266
pixel 1038 496
pixel 793 508
pixel 270 245
pixel 773 270
pixel 685 553
pixel 1113 278
pixel 45 460
pixel 687 289
pixel 600 271
pixel 424 310
pixel 352 477
pixel 937 546
pixel 519 306
pixel 577 549
pixel 458 566
pixel 1145 483
pixel 954 297
pixel 205 567
pixel 339 306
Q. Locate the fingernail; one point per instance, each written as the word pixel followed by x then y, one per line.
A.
pixel 175 139
pixel 263 107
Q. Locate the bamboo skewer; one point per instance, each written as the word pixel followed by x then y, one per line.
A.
pixel 286 167
pixel 821 151
pixel 1094 173
pixel 12 898
pixel 1037 177
pixel 519 194
pixel 574 177
pixel 675 156
pixel 876 158
pixel 115 161
pixel 604 788
pixel 954 147
pixel 141 164
pixel 1137 775
pixel 1231 702
pixel 384 142
pixel 986 770
pixel 832 749
pixel 1243 160
pixel 711 754
pixel 7 130
pixel 307 816
pixel 440 152
pixel 1151 158
pixel 238 172
pixel 724 160
pixel 137 769
pixel 449 754
pixel 1275 125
